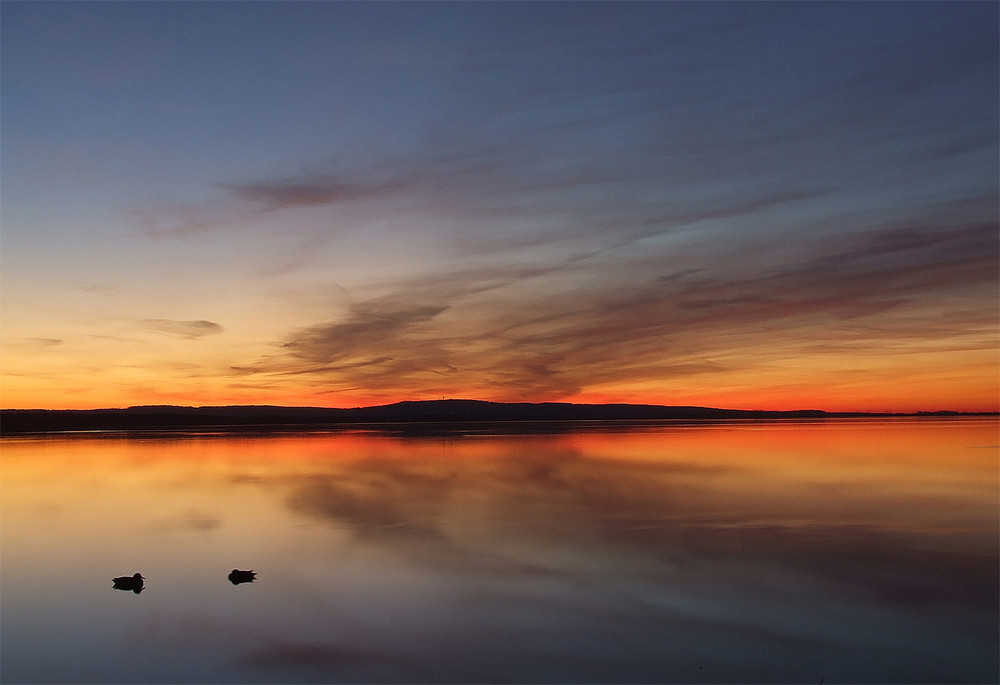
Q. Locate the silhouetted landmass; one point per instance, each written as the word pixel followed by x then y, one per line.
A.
pixel 426 413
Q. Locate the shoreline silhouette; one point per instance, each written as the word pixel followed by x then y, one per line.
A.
pixel 427 413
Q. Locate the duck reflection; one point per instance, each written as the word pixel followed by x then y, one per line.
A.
pixel 236 576
pixel 133 582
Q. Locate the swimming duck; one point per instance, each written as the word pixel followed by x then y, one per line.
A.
pixel 236 576
pixel 132 582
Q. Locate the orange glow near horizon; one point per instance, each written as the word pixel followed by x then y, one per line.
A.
pixel 955 380
pixel 752 403
pixel 778 400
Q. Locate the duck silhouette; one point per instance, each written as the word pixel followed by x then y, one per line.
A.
pixel 132 582
pixel 236 576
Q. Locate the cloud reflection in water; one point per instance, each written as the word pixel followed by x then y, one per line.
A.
pixel 741 552
pixel 644 570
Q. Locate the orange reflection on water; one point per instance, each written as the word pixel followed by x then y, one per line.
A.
pixel 753 533
pixel 744 460
pixel 914 475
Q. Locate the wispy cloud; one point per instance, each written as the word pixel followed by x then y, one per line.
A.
pixel 33 344
pixel 614 151
pixel 182 329
pixel 368 327
pixel 45 342
pixel 521 334
pixel 309 190
pixel 248 200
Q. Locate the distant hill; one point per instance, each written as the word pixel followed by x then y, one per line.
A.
pixel 263 417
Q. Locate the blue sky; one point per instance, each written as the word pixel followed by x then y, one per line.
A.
pixel 343 203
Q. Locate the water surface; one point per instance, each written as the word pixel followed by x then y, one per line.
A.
pixel 862 551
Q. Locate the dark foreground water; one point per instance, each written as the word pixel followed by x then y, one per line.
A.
pixel 760 552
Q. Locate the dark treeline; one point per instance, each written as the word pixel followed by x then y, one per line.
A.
pixel 14 421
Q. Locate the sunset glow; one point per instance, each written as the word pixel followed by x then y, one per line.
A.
pixel 748 205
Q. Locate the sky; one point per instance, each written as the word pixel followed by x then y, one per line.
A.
pixel 744 205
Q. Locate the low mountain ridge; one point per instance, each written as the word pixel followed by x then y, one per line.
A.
pixel 261 417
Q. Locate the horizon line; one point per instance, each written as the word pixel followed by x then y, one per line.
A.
pixel 880 412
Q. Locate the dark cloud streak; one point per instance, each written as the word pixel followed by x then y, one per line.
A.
pixel 368 326
pixel 310 190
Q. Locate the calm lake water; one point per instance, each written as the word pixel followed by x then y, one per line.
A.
pixel 751 552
